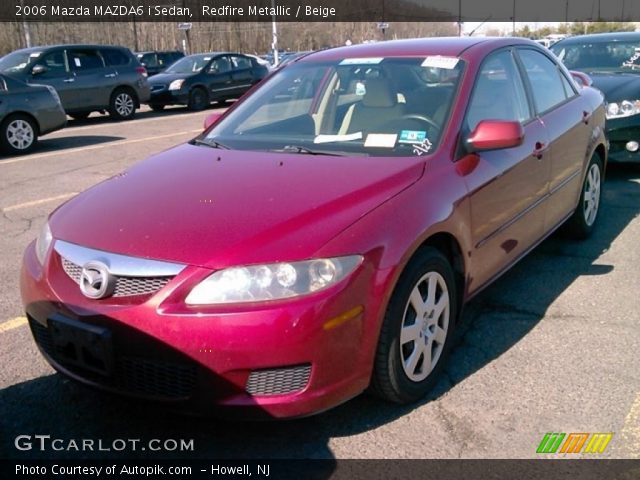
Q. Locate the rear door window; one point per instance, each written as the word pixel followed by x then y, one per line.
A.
pixel 545 79
pixel 81 60
pixel 240 63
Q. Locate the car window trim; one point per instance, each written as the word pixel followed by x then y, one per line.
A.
pixel 528 84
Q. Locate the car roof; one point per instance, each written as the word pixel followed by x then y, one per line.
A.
pixel 600 37
pixel 79 45
pixel 157 51
pixel 447 46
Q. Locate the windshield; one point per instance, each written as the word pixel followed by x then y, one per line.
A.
pixel 369 106
pixel 17 61
pixel 190 64
pixel 592 56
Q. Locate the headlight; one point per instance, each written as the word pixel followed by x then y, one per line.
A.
pixel 176 84
pixel 625 108
pixel 274 281
pixel 43 242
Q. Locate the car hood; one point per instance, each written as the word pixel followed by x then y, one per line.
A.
pixel 217 208
pixel 617 86
pixel 166 78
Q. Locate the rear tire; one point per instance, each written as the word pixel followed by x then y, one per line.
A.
pixel 122 105
pixel 416 332
pixel 198 99
pixel 583 220
pixel 18 134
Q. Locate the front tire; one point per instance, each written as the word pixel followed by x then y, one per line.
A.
pixel 583 220
pixel 18 134
pixel 416 332
pixel 122 105
pixel 198 99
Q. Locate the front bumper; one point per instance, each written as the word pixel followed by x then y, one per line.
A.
pixel 619 132
pixel 163 96
pixel 234 360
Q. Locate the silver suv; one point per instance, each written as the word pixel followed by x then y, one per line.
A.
pixel 88 78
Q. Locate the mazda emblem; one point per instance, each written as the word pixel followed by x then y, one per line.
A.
pixel 95 281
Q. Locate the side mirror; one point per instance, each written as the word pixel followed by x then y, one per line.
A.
pixel 38 70
pixel 581 78
pixel 211 119
pixel 495 135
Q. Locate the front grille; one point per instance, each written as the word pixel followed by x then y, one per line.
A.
pixel 133 375
pixel 155 377
pixel 125 286
pixel 278 381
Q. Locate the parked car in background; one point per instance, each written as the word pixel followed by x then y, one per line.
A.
pixel 156 62
pixel 291 56
pixel 88 78
pixel 198 80
pixel 612 60
pixel 27 112
pixel 322 236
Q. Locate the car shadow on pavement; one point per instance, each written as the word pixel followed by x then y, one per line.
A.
pixel 145 113
pixel 492 324
pixel 73 141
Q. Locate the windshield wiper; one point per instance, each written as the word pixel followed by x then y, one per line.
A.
pixel 307 151
pixel 210 143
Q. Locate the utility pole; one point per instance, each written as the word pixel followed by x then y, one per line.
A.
pixel 274 34
pixel 566 11
pixel 459 18
pixel 186 33
pixel 26 28
pixel 622 14
pixel 135 34
pixel 513 20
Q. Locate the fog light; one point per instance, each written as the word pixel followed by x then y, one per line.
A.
pixel 632 146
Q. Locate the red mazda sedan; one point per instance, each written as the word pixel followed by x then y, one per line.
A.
pixel 321 237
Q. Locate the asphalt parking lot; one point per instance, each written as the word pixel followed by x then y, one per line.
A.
pixel 553 346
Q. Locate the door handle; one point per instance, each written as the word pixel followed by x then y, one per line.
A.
pixel 586 116
pixel 539 150
pixel 69 80
pixel 110 75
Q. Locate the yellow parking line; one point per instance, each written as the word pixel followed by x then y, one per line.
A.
pixel 630 433
pixel 38 202
pixel 11 324
pixel 95 147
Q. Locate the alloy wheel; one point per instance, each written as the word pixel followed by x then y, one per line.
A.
pixel 591 196
pixel 124 104
pixel 424 326
pixel 20 134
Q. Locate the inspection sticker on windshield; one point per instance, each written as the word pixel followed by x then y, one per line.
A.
pixel 381 140
pixel 362 61
pixel 438 61
pixel 420 149
pixel 412 136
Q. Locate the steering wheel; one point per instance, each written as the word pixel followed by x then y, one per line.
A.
pixel 422 118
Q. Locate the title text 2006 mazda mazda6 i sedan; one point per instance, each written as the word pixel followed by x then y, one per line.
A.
pixel 322 235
